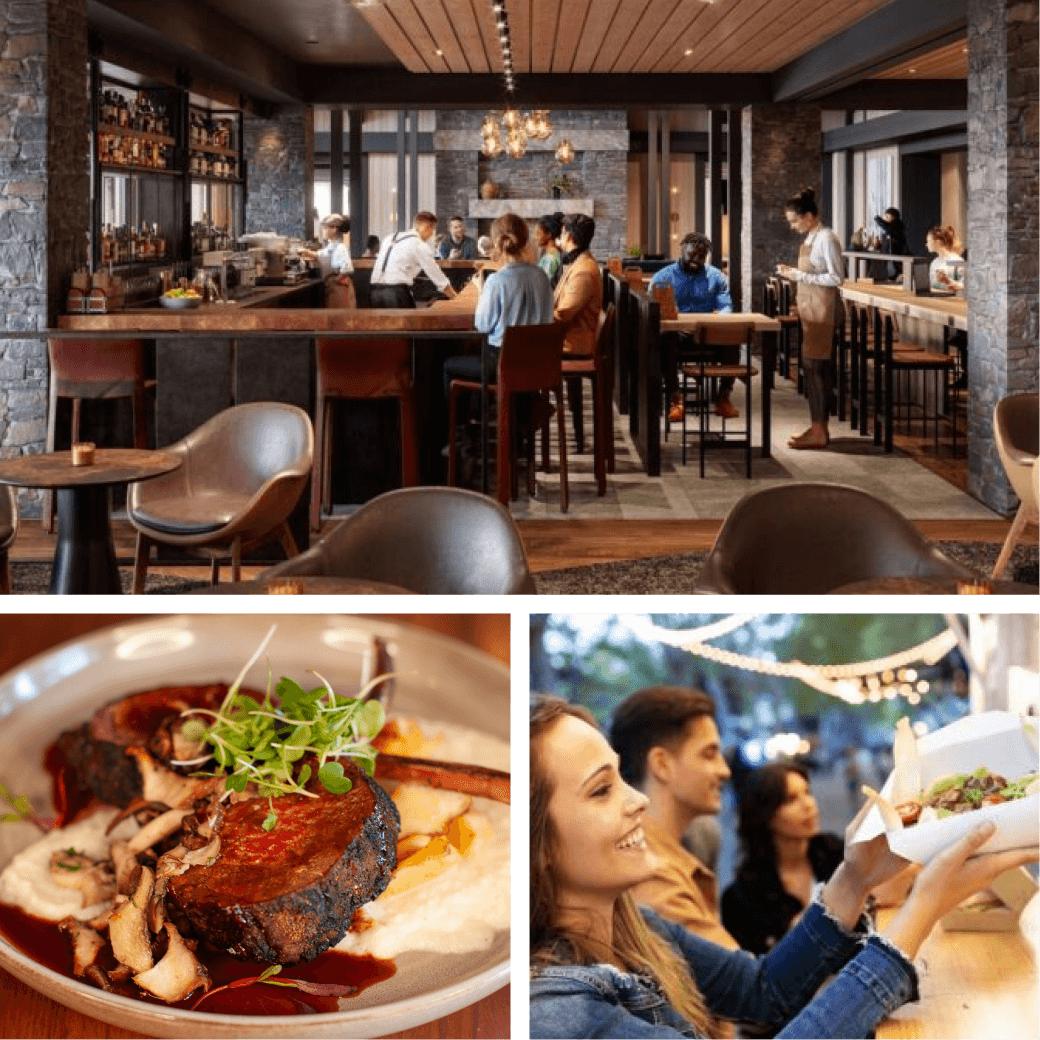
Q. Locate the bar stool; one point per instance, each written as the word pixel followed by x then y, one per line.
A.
pixel 599 370
pixel 360 369
pixel 83 369
pixel 529 361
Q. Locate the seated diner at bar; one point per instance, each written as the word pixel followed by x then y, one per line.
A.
pixel 847 409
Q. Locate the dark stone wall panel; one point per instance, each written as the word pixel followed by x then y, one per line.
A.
pixel 277 160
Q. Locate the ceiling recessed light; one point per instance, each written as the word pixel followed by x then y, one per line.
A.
pixel 439 53
pixel 688 51
pixel 911 70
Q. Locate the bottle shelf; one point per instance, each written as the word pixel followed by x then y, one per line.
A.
pixel 141 135
pixel 132 168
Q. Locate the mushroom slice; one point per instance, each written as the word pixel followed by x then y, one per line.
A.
pixel 127 868
pixel 177 974
pixel 95 881
pixel 128 927
pixel 97 975
pixel 86 944
pixel 178 859
pixel 155 915
pixel 160 784
pixel 159 828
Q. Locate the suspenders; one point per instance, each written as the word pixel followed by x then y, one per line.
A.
pixel 400 236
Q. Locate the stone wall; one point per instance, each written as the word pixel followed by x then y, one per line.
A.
pixel 599 171
pixel 781 153
pixel 278 156
pixel 1002 223
pixel 44 198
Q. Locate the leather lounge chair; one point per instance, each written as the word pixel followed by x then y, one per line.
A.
pixel 434 540
pixel 243 472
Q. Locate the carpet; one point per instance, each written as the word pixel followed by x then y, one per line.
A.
pixel 29 578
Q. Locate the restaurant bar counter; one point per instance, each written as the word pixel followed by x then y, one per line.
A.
pixel 217 355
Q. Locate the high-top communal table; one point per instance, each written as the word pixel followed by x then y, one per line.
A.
pixel 84 557
pixel 646 379
pixel 951 311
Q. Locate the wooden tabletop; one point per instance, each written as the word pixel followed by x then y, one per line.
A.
pixel 941 310
pixel 973 984
pixel 928 586
pixel 111 466
pixel 26 1013
pixel 688 322
pixel 306 585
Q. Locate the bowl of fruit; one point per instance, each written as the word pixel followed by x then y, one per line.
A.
pixel 180 299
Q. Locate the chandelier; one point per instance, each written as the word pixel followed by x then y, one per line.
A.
pixel 514 130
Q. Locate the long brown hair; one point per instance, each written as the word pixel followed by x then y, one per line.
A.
pixel 635 944
pixel 509 234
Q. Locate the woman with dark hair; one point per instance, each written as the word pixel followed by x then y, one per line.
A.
pixel 818 276
pixel 579 293
pixel 784 855
pixel 603 967
pixel 546 231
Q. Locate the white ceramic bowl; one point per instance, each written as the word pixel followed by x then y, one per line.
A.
pixel 180 303
pixel 442 679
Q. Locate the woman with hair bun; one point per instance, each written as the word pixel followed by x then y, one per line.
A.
pixel 946 271
pixel 819 274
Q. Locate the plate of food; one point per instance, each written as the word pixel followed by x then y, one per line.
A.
pixel 180 299
pixel 216 829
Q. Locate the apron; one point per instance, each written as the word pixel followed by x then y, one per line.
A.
pixel 818 310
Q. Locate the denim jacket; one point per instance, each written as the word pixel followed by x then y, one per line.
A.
pixel 773 992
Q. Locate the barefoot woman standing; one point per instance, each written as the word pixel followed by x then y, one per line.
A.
pixel 819 275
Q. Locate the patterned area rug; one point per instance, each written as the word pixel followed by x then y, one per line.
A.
pixel 677 574
pixel 30 578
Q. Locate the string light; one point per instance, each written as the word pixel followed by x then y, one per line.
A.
pixel 853 683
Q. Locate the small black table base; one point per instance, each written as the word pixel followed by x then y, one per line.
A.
pixel 84 557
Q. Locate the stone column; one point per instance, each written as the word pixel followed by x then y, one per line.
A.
pixel 278 156
pixel 781 154
pixel 1002 235
pixel 44 197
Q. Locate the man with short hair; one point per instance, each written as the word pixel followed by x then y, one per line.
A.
pixel 457 245
pixel 669 748
pixel 402 256
pixel 699 288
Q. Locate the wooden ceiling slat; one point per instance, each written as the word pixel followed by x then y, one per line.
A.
pixel 596 30
pixel 674 35
pixel 805 24
pixel 385 24
pixel 470 38
pixel 519 12
pixel 410 15
pixel 484 17
pixel 949 62
pixel 644 34
pixel 544 17
pixel 439 23
pixel 573 17
pixel 626 21
pixel 715 29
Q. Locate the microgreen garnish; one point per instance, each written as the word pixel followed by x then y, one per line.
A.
pixel 261 743
pixel 320 989
pixel 23 811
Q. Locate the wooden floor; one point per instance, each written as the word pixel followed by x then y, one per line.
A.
pixel 551 544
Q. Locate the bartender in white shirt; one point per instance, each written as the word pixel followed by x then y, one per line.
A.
pixel 401 257
pixel 334 255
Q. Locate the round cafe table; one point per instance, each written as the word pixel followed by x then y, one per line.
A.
pixel 84 557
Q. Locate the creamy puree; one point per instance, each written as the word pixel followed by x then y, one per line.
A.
pixel 26 881
pixel 461 909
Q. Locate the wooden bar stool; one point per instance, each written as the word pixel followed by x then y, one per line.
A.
pixel 84 369
pixel 529 362
pixel 359 369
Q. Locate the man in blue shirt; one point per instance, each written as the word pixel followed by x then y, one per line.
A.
pixel 699 288
pixel 456 244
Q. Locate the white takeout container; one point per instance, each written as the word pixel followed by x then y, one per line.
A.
pixel 1004 743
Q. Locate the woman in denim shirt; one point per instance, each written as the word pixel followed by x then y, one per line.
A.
pixel 603 968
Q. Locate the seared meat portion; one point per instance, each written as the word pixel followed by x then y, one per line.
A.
pixel 288 894
pixel 97 750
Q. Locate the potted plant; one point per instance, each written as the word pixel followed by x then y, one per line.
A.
pixel 561 185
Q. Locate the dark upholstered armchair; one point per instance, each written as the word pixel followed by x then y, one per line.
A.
pixel 8 531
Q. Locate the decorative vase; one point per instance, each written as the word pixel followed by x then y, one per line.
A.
pixel 489 190
pixel 556 193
